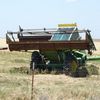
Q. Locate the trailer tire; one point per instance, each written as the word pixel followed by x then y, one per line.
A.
pixel 82 72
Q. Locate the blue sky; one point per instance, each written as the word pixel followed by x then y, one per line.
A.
pixel 49 13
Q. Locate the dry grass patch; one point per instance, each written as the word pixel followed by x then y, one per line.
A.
pixel 17 86
pixel 49 87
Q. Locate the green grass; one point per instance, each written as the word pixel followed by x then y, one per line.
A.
pixel 17 86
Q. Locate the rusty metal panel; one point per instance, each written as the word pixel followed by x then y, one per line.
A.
pixel 48 45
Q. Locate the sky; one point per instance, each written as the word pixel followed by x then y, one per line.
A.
pixel 49 13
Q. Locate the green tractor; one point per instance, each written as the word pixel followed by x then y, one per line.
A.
pixel 69 62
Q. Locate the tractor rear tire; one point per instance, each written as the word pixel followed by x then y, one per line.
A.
pixel 82 72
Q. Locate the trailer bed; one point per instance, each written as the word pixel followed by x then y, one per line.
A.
pixel 49 45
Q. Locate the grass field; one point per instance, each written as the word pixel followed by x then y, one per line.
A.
pixel 17 86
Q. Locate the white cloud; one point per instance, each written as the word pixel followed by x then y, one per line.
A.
pixel 70 1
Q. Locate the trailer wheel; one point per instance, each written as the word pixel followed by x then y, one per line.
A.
pixel 38 60
pixel 82 72
pixel 74 67
pixel 71 68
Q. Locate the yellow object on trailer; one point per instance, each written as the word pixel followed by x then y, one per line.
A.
pixel 67 25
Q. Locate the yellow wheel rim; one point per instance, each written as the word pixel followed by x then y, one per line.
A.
pixel 74 66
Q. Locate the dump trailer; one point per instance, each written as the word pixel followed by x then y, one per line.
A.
pixel 59 49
